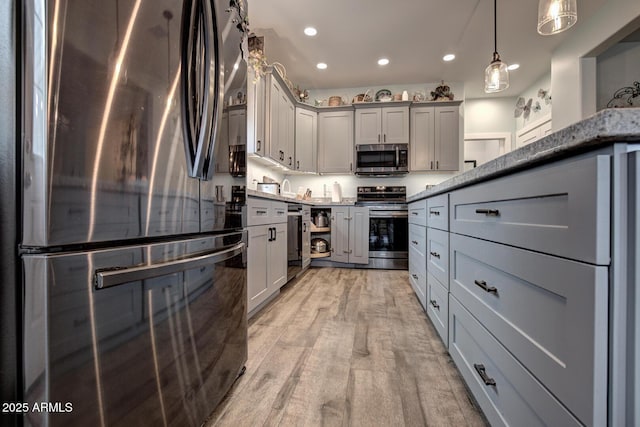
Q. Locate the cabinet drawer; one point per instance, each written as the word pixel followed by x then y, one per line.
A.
pixel 438 307
pixel 418 213
pixel 550 313
pixel 438 212
pixel 417 277
pixel 438 255
pixel 418 239
pixel 516 397
pixel 561 209
pixel 258 211
pixel 263 211
pixel 278 212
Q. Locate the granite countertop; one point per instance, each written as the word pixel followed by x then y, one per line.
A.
pixel 601 129
pixel 312 202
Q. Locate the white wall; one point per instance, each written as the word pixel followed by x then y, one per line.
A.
pixel 256 170
pixel 531 92
pixel 618 67
pixel 489 115
pixel 573 64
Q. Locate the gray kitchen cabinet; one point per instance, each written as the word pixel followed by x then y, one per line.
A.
pixel 561 209
pixel 435 138
pixel 507 289
pixel 237 125
pixel 350 234
pixel 382 125
pixel 335 141
pixel 306 236
pixel 417 250
pixel 306 140
pixel 505 390
pixel 280 122
pixel 221 149
pixel 256 114
pixel 266 250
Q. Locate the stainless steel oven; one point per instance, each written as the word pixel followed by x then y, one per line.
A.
pixel 388 226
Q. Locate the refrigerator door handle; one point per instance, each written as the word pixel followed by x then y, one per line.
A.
pixel 199 107
pixel 106 278
pixel 215 91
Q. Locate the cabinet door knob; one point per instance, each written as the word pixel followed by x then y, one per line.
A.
pixel 297 164
pixel 434 304
pixel 437 165
pixel 259 145
pixel 436 213
pixel 415 276
pixel 431 165
pixel 483 374
pixel 482 284
pixel 435 254
pixel 414 242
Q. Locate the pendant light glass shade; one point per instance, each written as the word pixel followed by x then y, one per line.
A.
pixel 496 75
pixel 555 16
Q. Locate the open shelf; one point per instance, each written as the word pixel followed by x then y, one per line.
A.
pixel 314 229
pixel 320 254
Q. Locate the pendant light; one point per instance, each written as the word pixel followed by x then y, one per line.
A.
pixel 496 75
pixel 555 16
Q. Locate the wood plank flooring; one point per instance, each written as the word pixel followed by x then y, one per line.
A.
pixel 343 347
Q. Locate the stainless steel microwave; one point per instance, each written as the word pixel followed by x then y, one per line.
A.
pixel 382 159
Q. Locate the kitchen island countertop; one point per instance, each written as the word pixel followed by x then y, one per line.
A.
pixel 603 128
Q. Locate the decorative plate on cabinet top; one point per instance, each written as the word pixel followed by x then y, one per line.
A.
pixel 383 95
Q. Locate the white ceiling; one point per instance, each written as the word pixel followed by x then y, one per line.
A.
pixel 413 34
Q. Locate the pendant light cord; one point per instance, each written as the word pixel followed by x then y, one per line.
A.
pixel 495 26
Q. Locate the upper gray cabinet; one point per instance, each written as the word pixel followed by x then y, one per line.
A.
pixel 435 137
pixel 382 125
pixel 280 122
pixel 335 141
pixel 256 114
pixel 237 125
pixel 306 140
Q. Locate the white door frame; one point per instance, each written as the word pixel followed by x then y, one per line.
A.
pixel 506 137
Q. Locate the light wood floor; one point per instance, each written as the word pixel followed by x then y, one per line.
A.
pixel 344 347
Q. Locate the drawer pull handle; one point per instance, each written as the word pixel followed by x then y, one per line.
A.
pixel 435 254
pixel 261 212
pixel 414 242
pixel 414 213
pixel 484 286
pixel 436 213
pixel 488 212
pixel 483 374
pixel 435 304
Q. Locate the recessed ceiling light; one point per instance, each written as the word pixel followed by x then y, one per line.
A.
pixel 449 57
pixel 310 31
pixel 321 65
pixel 383 61
pixel 513 67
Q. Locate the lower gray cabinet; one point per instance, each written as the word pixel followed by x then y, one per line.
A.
pixel 267 262
pixel 438 307
pixel 549 313
pixel 507 392
pixel 350 234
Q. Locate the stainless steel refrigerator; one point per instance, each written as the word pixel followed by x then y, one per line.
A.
pixel 129 281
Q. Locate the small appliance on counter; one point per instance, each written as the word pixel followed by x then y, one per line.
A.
pixel 269 187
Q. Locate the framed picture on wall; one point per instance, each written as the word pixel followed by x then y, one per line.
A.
pixel 470 164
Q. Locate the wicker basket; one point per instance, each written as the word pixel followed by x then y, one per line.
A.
pixel 335 101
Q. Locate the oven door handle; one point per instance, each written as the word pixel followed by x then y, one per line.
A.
pixel 388 214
